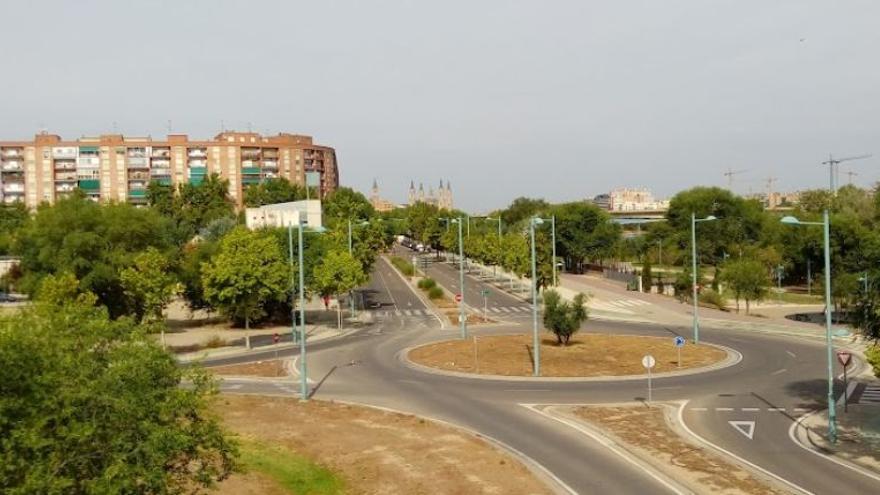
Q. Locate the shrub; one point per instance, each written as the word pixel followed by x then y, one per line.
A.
pixel 712 298
pixel 404 266
pixel 435 292
pixel 427 284
pixel 215 341
pixel 873 356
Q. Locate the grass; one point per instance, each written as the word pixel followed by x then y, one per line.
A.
pixel 292 472
pixel 404 266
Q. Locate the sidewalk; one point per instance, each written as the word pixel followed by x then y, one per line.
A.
pixel 858 436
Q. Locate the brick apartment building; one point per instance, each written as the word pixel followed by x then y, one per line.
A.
pixel 113 167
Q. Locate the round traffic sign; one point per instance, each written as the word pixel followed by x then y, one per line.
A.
pixel 458 298
pixel 679 341
pixel 648 361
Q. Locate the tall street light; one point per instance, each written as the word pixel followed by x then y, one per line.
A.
pixel 536 345
pixel 826 227
pixel 351 253
pixel 461 317
pixel 499 224
pixel 694 221
pixel 304 383
pixel 864 280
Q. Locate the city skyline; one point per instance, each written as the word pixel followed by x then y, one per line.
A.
pixel 558 102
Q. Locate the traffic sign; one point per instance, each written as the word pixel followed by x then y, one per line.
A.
pixel 484 292
pixel 679 341
pixel 844 357
pixel 276 338
pixel 648 362
pixel 458 298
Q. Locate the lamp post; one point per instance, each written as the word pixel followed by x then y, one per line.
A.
pixel 535 340
pixel 304 384
pixel 553 240
pixel 829 344
pixel 499 224
pixel 351 253
pixel 461 317
pixel 864 280
pixel 694 221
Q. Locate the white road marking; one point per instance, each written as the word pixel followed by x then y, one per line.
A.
pixel 747 428
pixel 232 387
pixel 791 434
pixel 407 312
pixel 699 409
pixel 783 370
pixel 750 409
pixel 725 409
pixel 793 355
pixel 775 409
pixel 731 454
pixel 800 409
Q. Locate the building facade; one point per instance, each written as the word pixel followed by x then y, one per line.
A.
pixel 285 214
pixel 632 199
pixel 113 167
pixel 379 203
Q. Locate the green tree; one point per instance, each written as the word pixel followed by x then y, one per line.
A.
pixel 346 204
pixel 12 217
pixel 151 285
pixel 647 277
pixel 563 318
pixel 338 273
pixel 521 209
pixel 193 206
pixel 747 279
pixel 90 405
pixel 271 191
pixel 583 233
pixel 246 274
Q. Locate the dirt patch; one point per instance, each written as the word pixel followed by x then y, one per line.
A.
pixel 274 368
pixel 647 434
pixel 378 452
pixel 587 355
pixel 249 483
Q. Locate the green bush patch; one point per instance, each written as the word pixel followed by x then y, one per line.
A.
pixel 293 472
pixel 435 293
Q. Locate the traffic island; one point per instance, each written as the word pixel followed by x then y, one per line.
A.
pixel 367 450
pixel 586 356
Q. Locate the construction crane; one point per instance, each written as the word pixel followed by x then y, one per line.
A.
pixel 833 172
pixel 850 174
pixel 729 174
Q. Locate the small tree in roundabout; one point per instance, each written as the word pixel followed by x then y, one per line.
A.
pixel 564 318
pixel 337 273
pixel 247 272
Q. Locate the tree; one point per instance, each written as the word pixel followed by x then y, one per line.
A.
pixel 151 286
pixel 647 278
pixel 93 242
pixel 338 273
pixel 271 191
pixel 247 273
pixel 92 405
pixel 346 204
pixel 522 209
pixel 584 232
pixel 12 217
pixel 747 279
pixel 563 318
pixel 193 206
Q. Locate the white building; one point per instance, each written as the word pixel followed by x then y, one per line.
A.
pixel 635 199
pixel 285 214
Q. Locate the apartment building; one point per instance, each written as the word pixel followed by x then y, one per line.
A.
pixel 113 167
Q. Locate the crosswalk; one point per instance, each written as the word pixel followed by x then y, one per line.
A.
pixel 871 395
pixel 618 305
pixel 615 306
pixel 402 312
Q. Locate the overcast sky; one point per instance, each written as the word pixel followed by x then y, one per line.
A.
pixel 554 99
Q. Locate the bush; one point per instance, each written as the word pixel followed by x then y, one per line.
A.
pixel 427 284
pixel 404 266
pixel 712 298
pixel 873 356
pixel 435 293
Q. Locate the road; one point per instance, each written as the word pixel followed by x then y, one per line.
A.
pixel 778 379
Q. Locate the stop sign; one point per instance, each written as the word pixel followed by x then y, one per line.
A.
pixel 844 357
pixel 458 298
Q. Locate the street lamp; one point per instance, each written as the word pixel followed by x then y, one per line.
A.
pixel 304 384
pixel 552 221
pixel 694 221
pixel 351 253
pixel 461 317
pixel 864 279
pixel 826 227
pixel 499 224
pixel 535 340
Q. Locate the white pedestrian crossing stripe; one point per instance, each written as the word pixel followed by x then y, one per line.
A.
pixel 871 395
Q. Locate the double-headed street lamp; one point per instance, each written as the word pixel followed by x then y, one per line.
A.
pixel 694 221
pixel 826 227
pixel 536 341
pixel 461 316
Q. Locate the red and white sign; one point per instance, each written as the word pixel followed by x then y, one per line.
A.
pixel 276 338
pixel 844 357
pixel 458 298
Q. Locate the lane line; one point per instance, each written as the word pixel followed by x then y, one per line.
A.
pixel 725 409
pixel 750 409
pixel 783 370
pixel 699 409
pixel 605 442
pixel 793 355
pixel 731 454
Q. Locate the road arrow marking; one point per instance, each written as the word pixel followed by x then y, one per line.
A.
pixel 747 428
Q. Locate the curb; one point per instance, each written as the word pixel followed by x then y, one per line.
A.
pixel 801 436
pixel 733 358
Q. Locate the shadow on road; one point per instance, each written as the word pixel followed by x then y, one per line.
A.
pixel 318 385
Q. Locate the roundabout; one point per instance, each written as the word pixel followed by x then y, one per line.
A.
pixel 589 357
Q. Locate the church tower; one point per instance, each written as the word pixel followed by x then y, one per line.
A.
pixel 411 198
pixel 421 193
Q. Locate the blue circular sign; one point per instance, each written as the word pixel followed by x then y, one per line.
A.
pixel 679 341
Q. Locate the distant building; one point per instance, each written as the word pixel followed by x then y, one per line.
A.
pixel 284 214
pixel 379 203
pixel 442 198
pixel 631 199
pixel 777 199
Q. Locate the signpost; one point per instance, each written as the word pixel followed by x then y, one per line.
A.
pixel 648 362
pixel 458 298
pixel 275 339
pixel 485 294
pixel 679 342
pixel 844 358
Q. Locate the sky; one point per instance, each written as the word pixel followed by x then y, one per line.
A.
pixel 555 99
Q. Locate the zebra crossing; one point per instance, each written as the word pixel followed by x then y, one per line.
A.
pixel 618 305
pixel 402 312
pixel 871 395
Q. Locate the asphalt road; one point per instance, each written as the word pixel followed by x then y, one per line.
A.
pixel 777 380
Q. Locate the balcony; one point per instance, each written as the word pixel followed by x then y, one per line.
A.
pixel 12 198
pixel 270 154
pixel 65 176
pixel 88 161
pixel 138 176
pixel 137 162
pixel 160 172
pixel 12 153
pixel 135 152
pixel 270 164
pixel 65 187
pixel 197 163
pixel 161 162
pixel 133 185
pixel 13 177
pixel 161 153
pixel 64 153
pixel 197 153
pixel 12 167
pixel 65 165
pixel 13 187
